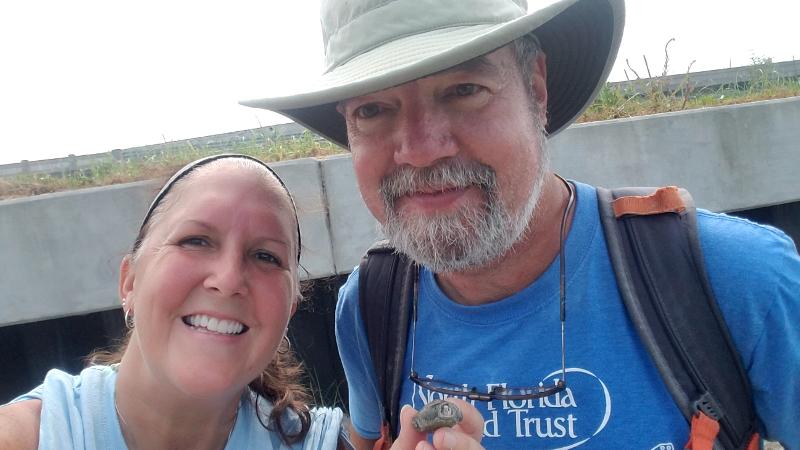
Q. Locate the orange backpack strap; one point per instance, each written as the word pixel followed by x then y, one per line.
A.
pixel 663 200
pixel 755 442
pixel 703 432
pixel 385 441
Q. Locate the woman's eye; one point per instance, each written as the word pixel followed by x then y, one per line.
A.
pixel 267 258
pixel 368 111
pixel 194 241
pixel 466 89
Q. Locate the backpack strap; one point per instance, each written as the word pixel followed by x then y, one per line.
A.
pixel 655 251
pixel 385 287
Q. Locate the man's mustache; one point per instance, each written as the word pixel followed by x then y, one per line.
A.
pixel 447 174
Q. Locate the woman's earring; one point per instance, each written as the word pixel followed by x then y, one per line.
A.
pixel 284 349
pixel 129 323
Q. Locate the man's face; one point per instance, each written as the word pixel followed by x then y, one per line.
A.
pixel 452 164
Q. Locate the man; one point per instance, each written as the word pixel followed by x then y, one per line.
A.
pixel 446 107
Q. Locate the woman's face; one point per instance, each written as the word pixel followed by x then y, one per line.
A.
pixel 215 281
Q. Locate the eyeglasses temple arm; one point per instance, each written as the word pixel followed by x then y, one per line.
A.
pixel 414 316
pixel 562 276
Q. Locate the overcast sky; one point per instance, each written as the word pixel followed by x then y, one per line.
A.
pixel 91 76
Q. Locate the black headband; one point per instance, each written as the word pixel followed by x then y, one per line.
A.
pixel 185 170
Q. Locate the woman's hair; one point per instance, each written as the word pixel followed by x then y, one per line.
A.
pixel 279 382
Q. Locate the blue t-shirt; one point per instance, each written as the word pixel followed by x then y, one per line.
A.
pixel 614 396
pixel 78 413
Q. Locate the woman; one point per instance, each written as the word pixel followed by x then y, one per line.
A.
pixel 207 290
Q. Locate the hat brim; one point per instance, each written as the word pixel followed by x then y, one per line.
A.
pixel 580 39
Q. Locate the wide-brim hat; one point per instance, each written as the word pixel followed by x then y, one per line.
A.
pixel 371 45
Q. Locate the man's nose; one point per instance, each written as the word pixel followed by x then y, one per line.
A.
pixel 425 136
pixel 226 276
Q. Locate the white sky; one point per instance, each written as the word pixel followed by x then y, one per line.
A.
pixel 90 76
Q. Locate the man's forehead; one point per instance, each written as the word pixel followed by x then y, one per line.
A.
pixel 493 64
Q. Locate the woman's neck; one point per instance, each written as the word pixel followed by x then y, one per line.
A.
pixel 154 415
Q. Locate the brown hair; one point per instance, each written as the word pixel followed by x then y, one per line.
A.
pixel 279 381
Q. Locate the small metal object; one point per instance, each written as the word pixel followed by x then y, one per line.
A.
pixel 437 414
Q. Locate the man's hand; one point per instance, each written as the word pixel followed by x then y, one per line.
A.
pixel 464 436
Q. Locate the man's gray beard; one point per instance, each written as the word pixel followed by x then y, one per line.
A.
pixel 472 236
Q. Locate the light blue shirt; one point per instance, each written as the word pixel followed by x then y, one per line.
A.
pixel 78 413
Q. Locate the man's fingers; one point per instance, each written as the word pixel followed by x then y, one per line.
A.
pixel 409 436
pixel 472 424
pixel 450 439
pixel 464 436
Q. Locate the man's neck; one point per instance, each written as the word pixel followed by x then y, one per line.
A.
pixel 523 263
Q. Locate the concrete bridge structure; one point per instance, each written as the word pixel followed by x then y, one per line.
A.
pixel 60 253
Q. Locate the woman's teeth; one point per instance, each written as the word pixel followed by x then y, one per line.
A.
pixel 214 325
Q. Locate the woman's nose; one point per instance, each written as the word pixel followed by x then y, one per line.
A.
pixel 227 275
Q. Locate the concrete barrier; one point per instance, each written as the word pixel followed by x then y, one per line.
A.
pixel 730 158
pixel 352 226
pixel 59 253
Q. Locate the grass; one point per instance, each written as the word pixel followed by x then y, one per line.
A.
pixel 649 96
pixel 161 165
pixel 331 395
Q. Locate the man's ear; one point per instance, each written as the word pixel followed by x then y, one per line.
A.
pixel 340 108
pixel 539 81
pixel 126 276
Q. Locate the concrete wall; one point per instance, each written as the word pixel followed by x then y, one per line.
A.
pixel 730 158
pixel 59 253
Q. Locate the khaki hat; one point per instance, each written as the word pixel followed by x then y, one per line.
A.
pixel 371 45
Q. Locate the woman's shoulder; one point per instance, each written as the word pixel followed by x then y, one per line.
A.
pixel 326 417
pixel 254 427
pixel 326 425
pixel 19 424
pixel 21 420
pixel 60 383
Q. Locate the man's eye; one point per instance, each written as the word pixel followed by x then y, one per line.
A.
pixel 467 89
pixel 368 111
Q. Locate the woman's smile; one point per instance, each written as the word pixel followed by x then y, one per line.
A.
pixel 211 324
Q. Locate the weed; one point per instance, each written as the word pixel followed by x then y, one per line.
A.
pixel 164 162
pixel 654 95
pixel 646 96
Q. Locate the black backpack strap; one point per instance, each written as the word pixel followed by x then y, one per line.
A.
pixel 385 287
pixel 655 252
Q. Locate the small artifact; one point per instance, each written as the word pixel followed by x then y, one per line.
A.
pixel 437 414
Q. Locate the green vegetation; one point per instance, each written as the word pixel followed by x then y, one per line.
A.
pixel 161 165
pixel 652 96
pixel 648 96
